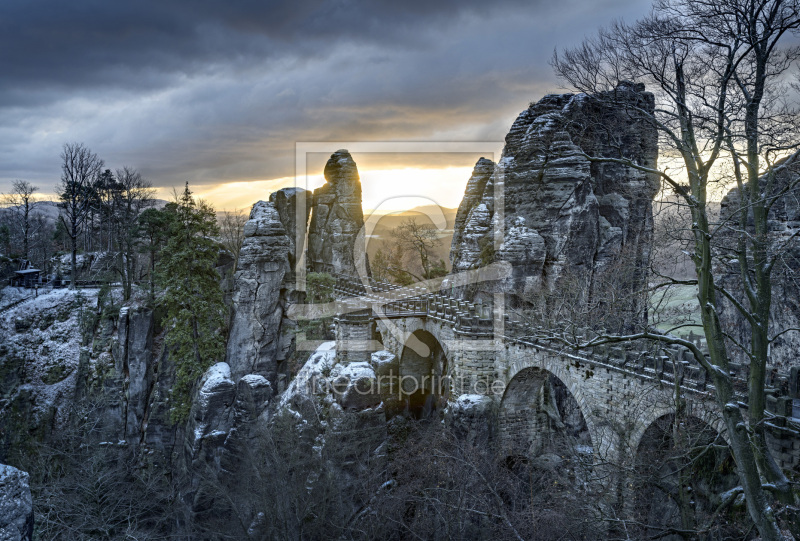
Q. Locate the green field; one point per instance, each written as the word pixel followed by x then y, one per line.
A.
pixel 676 306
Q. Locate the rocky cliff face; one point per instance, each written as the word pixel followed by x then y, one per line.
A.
pixel 335 236
pixel 257 311
pixel 294 208
pixel 472 239
pixel 288 202
pixel 784 229
pixel 562 218
pixel 43 359
pixel 16 505
pixel 133 356
pixel 261 336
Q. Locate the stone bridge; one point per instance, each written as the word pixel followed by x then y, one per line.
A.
pixel 466 353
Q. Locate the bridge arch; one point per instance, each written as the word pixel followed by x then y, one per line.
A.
pixel 680 464
pixel 423 367
pixel 699 411
pixel 539 415
pixel 424 361
pixel 395 333
pixel 573 378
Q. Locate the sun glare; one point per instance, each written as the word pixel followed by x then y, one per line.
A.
pixel 383 190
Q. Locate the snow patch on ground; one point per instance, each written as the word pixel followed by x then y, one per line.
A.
pixel 10 295
pixel 317 368
pixel 466 400
pixel 354 371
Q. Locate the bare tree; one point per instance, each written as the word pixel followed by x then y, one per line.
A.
pixel 420 239
pixel 86 490
pixel 20 201
pixel 717 69
pixel 133 195
pixel 388 264
pixel 80 167
pixel 231 229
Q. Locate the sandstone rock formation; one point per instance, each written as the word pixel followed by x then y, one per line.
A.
pixel 257 312
pixel 465 250
pixel 336 410
pixel 16 505
pixel 386 366
pixel 784 242
pixel 260 335
pixel 134 359
pixel 287 202
pixel 335 236
pixel 559 216
pixel 355 386
pixel 467 417
pixel 210 419
pixel 221 441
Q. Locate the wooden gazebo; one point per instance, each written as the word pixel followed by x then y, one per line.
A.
pixel 26 278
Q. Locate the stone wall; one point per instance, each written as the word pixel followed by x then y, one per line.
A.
pixel 354 336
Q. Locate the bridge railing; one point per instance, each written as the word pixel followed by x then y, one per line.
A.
pixel 666 364
pixel 394 301
pixel 641 357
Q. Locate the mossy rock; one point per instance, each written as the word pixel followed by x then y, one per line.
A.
pixel 56 372
pixel 46 321
pixel 12 372
pixel 64 312
pixel 22 324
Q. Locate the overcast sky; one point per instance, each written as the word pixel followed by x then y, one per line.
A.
pixel 216 92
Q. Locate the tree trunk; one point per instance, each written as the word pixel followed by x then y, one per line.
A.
pixel 73 263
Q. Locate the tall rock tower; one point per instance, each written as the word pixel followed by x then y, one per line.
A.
pixel 336 241
pixel 261 335
pixel 566 223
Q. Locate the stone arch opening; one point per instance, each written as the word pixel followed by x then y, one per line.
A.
pixel 682 465
pixel 423 385
pixel 541 422
pixel 545 441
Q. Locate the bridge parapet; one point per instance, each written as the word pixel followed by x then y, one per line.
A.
pixel 668 364
pixel 392 301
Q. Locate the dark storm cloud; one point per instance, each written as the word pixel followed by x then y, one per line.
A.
pixel 218 91
pixel 131 45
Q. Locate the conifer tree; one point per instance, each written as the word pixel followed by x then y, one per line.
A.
pixel 193 299
pixel 152 228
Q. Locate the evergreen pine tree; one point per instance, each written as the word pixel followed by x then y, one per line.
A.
pixel 193 298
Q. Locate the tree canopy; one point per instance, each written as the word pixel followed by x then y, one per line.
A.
pixel 193 299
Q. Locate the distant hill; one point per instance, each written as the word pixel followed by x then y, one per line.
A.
pixel 379 227
pixel 50 209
